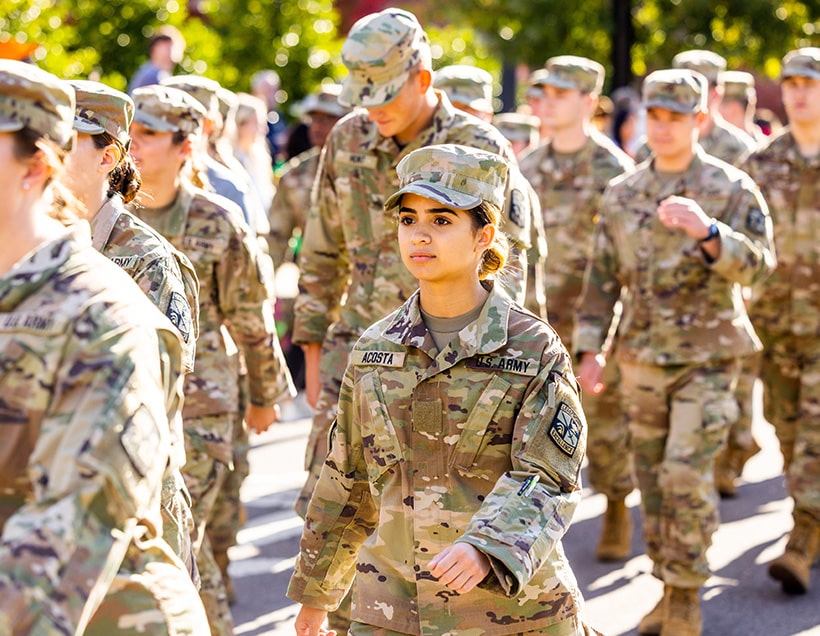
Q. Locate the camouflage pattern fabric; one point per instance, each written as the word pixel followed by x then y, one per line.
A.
pixel 786 314
pixel 569 188
pixel 168 279
pixel 702 316
pixel 235 311
pixel 289 209
pixel 678 418
pixel 448 458
pixel 350 248
pixel 83 463
pixel 683 325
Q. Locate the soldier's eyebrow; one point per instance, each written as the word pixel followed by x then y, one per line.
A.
pixel 429 210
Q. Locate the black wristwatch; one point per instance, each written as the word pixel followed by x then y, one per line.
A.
pixel 713 233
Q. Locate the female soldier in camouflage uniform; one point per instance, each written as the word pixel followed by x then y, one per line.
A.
pixel 103 177
pixel 455 458
pixel 90 372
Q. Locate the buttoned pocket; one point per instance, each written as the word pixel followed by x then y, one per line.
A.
pixel 380 443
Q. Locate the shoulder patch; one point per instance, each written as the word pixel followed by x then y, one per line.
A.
pixel 179 313
pixel 565 429
pixel 518 210
pixel 756 221
pixel 378 358
pixel 503 363
pixel 356 159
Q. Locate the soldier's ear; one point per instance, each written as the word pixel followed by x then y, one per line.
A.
pixel 425 79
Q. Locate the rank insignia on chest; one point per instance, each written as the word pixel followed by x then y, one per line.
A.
pixel 565 429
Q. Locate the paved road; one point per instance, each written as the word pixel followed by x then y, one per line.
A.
pixel 738 600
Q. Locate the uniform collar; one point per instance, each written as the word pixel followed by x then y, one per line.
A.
pixel 687 185
pixel 487 334
pixel 39 266
pixel 104 221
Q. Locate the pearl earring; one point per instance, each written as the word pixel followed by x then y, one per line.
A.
pixel 26 186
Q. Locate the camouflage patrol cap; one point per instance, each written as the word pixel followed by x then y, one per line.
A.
pixel 803 62
pixel 325 100
pixel 167 109
pixel 33 98
pixel 228 102
pixel 204 90
pixel 379 52
pixel 678 90
pixel 574 72
pixel 518 126
pixel 468 85
pixel 459 177
pixel 101 109
pixel 536 82
pixel 707 63
pixel 738 85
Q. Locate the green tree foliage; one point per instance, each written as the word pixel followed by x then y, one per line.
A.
pixel 227 40
pixel 752 34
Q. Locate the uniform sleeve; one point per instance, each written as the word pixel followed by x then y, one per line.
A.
pixel 282 219
pixel 324 264
pixel 248 309
pixel 595 308
pixel 96 471
pixel 340 517
pixel 746 245
pixel 530 508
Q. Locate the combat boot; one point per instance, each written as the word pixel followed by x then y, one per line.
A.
pixel 652 623
pixel 793 568
pixel 681 612
pixel 616 533
pixel 222 561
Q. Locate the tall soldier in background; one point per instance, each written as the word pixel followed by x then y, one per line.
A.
pixel 787 310
pixel 569 172
pixel 675 241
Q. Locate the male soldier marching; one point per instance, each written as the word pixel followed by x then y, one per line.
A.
pixel 569 172
pixel 234 307
pixel 679 236
pixel 351 271
pixel 787 312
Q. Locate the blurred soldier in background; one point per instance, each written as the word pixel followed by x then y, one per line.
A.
pixel 469 88
pixel 569 172
pixel 739 103
pixel 786 311
pixel 165 50
pixel 520 129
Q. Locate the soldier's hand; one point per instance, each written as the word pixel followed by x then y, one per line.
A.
pixel 313 385
pixel 684 214
pixel 260 418
pixel 591 372
pixel 460 567
pixel 309 622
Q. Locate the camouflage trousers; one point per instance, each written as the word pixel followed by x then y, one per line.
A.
pixel 790 370
pixel 609 467
pixel 208 460
pixel 740 434
pixel 228 514
pixel 679 417
pixel 151 594
pixel 335 352
pixel 572 627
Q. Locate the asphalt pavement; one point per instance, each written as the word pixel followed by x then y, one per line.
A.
pixel 738 600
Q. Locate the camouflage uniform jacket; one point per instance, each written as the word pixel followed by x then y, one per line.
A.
pixel 724 141
pixel 789 301
pixel 430 448
pixel 569 192
pixel 165 274
pixel 350 248
pixel 232 292
pixel 681 309
pixel 291 203
pixel 85 442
